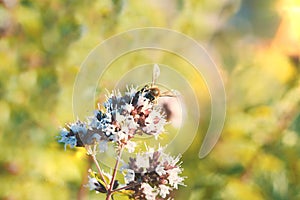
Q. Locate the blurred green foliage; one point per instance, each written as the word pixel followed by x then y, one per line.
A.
pixel 256 44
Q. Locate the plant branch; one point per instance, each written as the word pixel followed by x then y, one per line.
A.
pixel 125 187
pixel 111 185
pixel 99 170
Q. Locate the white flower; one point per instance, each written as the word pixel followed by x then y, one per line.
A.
pixel 120 118
pixel 93 183
pixel 122 137
pixel 128 107
pixel 149 191
pixel 130 123
pixel 125 129
pixel 156 174
pixel 160 170
pixel 109 130
pixel 142 161
pixel 108 117
pixel 93 122
pixel 150 150
pixel 78 127
pixel 130 146
pixel 129 176
pixel 67 139
pixel 164 190
pixel 155 123
pixel 174 178
pixel 131 91
pixel 171 160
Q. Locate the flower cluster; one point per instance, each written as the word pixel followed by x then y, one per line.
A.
pixel 121 118
pixel 153 175
pixel 149 176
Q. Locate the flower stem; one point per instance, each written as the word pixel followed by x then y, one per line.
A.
pixel 111 185
pixel 109 195
pixel 99 170
pixel 125 187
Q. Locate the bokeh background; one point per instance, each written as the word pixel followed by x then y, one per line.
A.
pixel 255 43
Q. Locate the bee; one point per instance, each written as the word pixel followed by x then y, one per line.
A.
pixel 151 92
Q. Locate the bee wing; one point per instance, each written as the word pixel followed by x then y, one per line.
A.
pixel 172 93
pixel 155 74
